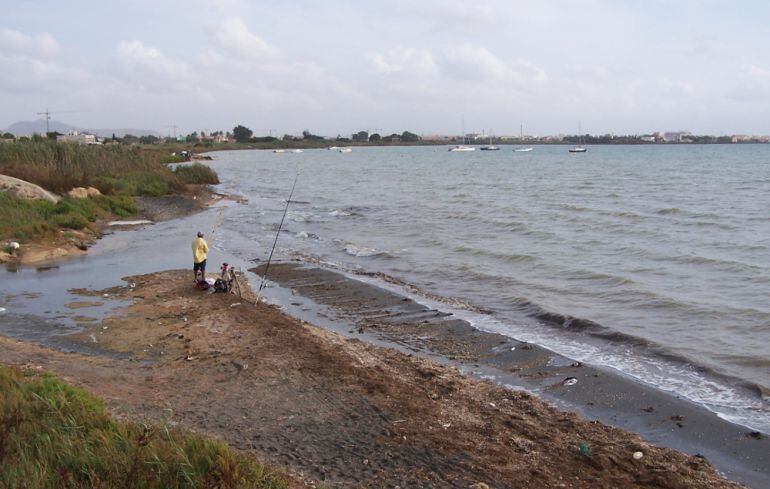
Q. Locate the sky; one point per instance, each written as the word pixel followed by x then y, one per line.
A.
pixel 429 66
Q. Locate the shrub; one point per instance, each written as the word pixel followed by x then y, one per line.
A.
pixel 70 220
pixel 196 174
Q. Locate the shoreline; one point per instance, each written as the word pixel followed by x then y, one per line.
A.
pixel 667 425
pixel 337 409
pixel 597 393
pixel 69 243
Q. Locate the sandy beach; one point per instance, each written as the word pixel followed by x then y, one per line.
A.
pixel 336 409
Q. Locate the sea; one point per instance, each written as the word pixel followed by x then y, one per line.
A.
pixel 650 260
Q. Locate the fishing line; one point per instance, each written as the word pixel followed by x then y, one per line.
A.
pixel 217 221
pixel 275 241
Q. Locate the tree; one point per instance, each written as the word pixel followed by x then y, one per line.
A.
pixel 374 138
pixel 409 137
pixel 309 135
pixel 149 139
pixel 193 137
pixel 361 136
pixel 8 135
pixel 242 134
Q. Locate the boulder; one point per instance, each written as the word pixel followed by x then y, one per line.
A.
pixel 26 190
pixel 82 192
pixel 78 193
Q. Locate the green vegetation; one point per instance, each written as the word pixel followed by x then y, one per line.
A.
pixel 119 172
pixel 60 167
pixel 24 219
pixel 53 435
pixel 196 173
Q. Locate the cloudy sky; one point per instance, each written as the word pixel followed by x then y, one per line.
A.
pixel 338 66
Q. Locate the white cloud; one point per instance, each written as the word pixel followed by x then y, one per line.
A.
pixel 409 61
pixel 449 16
pixel 150 64
pixel 234 38
pixel 16 43
pixel 474 63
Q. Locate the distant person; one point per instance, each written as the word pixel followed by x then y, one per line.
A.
pixel 199 248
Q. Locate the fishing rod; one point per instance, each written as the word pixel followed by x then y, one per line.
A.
pixel 275 241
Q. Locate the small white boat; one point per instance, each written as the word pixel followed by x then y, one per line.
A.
pixel 296 151
pixel 522 149
pixel 279 151
pixel 345 150
pixel 579 148
pixel 490 146
pixel 462 147
pixel 332 148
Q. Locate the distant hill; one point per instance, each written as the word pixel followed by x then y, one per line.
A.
pixel 27 128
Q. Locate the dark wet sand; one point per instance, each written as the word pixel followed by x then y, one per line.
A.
pixel 599 393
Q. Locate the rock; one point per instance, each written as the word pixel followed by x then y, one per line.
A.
pixel 83 193
pixel 26 190
pixel 78 193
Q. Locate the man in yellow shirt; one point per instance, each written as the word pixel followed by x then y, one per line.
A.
pixel 199 249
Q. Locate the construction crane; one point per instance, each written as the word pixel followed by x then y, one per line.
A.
pixel 48 113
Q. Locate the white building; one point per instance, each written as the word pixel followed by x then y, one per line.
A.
pixel 75 137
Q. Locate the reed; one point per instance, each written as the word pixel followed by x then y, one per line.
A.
pixel 60 167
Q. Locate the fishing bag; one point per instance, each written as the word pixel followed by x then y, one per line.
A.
pixel 221 286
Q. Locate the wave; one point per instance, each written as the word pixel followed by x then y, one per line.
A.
pixel 363 251
pixel 670 210
pixel 596 330
pixel 506 257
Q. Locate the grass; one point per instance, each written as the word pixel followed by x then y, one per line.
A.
pixel 119 172
pixel 53 435
pixel 23 219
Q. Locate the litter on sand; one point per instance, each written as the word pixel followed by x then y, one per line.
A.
pixel 638 455
pixel 569 381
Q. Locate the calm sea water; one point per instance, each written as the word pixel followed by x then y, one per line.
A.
pixel 665 249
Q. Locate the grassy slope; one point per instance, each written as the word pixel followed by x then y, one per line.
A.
pixel 120 173
pixel 53 435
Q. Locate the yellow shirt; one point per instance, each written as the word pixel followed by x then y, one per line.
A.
pixel 199 249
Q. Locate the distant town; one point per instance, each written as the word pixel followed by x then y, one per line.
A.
pixel 242 135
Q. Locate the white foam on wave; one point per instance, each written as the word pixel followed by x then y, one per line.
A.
pixel 299 216
pixel 361 251
pixel 724 400
pixel 339 213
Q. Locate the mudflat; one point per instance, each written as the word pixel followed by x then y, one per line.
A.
pixel 337 409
